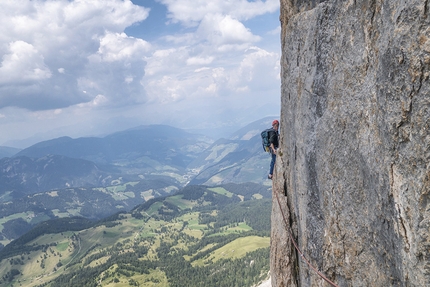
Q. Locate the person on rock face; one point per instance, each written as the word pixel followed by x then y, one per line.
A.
pixel 273 140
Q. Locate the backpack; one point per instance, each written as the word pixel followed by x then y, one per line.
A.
pixel 265 135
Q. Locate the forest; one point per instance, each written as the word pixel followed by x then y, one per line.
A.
pixel 200 236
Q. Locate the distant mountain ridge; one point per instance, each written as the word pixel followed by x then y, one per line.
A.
pixel 238 159
pixel 164 150
pixel 155 141
pixel 137 153
pixel 6 151
pixel 27 175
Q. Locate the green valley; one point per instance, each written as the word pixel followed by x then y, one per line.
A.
pixel 199 236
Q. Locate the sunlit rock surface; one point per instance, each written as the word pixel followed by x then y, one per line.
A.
pixel 355 144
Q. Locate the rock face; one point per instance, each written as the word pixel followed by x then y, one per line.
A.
pixel 353 172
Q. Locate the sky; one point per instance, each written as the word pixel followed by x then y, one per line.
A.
pixel 92 67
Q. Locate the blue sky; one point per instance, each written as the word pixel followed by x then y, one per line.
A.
pixel 89 68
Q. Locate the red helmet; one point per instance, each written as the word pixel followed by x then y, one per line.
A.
pixel 275 122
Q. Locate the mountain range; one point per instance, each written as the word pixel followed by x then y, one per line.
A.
pixel 95 177
pixel 133 154
pixel 139 148
pixel 8 151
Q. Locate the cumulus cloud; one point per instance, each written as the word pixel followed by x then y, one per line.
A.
pixel 47 48
pixel 255 71
pixel 163 61
pixel 23 63
pixel 194 65
pixel 200 60
pixel 74 66
pixel 225 33
pixel 191 12
pixel 257 64
pixel 119 47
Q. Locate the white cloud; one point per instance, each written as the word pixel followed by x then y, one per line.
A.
pixel 258 70
pixel 47 115
pixel 201 69
pixel 38 37
pixel 200 60
pixel 191 12
pixel 75 64
pixel 166 90
pixel 161 61
pixel 218 40
pixel 23 63
pixel 111 15
pixel 118 46
pixel 97 101
pixel 224 31
pixel 246 76
pixel 276 31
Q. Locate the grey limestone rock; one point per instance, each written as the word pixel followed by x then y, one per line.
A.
pixel 353 171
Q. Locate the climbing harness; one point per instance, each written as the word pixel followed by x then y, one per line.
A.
pixel 297 247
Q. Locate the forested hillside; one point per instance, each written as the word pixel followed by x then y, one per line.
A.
pixel 200 236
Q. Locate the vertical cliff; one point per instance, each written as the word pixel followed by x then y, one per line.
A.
pixel 353 172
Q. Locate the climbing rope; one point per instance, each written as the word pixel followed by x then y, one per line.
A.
pixel 297 247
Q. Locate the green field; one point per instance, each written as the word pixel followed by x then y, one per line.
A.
pixel 236 249
pixel 240 247
pixel 179 202
pixel 222 191
pixel 62 246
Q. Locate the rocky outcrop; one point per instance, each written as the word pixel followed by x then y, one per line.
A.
pixel 353 172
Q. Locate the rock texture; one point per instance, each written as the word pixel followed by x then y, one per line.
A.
pixel 353 171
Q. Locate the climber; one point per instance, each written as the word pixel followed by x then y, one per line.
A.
pixel 273 140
